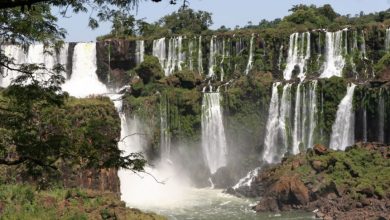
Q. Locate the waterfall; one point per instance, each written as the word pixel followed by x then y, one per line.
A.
pixel 84 80
pixel 279 132
pixel 250 60
pixel 35 54
pixel 160 51
pixel 305 117
pixel 363 52
pixel 175 57
pixel 142 189
pixel 247 180
pixel 285 117
pixel 223 59
pixel 165 137
pixel 139 51
pixel 200 56
pixel 297 134
pixel 278 125
pixel 312 112
pixel 213 55
pixel 272 129
pixel 387 39
pixel 381 118
pixel 343 131
pixel 190 55
pixel 334 62
pixel 213 133
pixel 297 55
pixel 18 55
pixel 280 57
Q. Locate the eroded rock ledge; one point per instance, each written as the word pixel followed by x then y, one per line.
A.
pixel 354 184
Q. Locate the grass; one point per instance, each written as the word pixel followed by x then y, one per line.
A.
pixel 24 202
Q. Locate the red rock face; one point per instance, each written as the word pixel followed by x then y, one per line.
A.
pixel 100 180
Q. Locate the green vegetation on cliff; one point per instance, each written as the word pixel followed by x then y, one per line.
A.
pixel 336 182
pixel 25 202
pixel 44 133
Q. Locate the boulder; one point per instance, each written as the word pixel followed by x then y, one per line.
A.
pixel 267 204
pixel 291 190
pixel 320 149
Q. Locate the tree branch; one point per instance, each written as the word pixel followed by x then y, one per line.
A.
pixel 16 3
pixel 22 3
pixel 131 135
pixel 26 159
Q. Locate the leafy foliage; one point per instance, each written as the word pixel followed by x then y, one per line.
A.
pixel 24 202
pixel 150 69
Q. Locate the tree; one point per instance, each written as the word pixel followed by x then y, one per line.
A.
pixel 41 131
pixel 123 24
pixel 311 16
pixel 186 20
pixel 27 106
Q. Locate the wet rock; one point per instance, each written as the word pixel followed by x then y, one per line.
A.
pixel 291 190
pixel 267 204
pixel 320 149
pixel 320 215
pixel 222 178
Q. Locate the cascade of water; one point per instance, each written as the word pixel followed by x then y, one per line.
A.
pixel 343 131
pixel 248 179
pixel 297 134
pixel 36 54
pixel 190 54
pixel 285 117
pixel 172 57
pixel 312 112
pixel 223 59
pixel 175 57
pixel 18 56
pixel 213 55
pixel 250 59
pixel 139 51
pixel 280 57
pixel 165 137
pixel 305 117
pixel 334 62
pixel 200 56
pixel 84 80
pixel 297 55
pixel 381 118
pixel 142 189
pixel 160 51
pixel 387 39
pixel 62 56
pixel 213 133
pixel 271 138
pixel 363 52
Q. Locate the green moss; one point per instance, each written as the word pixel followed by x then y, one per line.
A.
pixel 330 92
pixel 359 171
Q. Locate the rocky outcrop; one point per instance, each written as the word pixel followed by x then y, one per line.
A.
pixel 115 58
pixel 333 184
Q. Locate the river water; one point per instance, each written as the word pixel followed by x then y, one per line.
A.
pixel 211 204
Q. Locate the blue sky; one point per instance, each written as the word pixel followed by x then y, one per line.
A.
pixel 225 12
